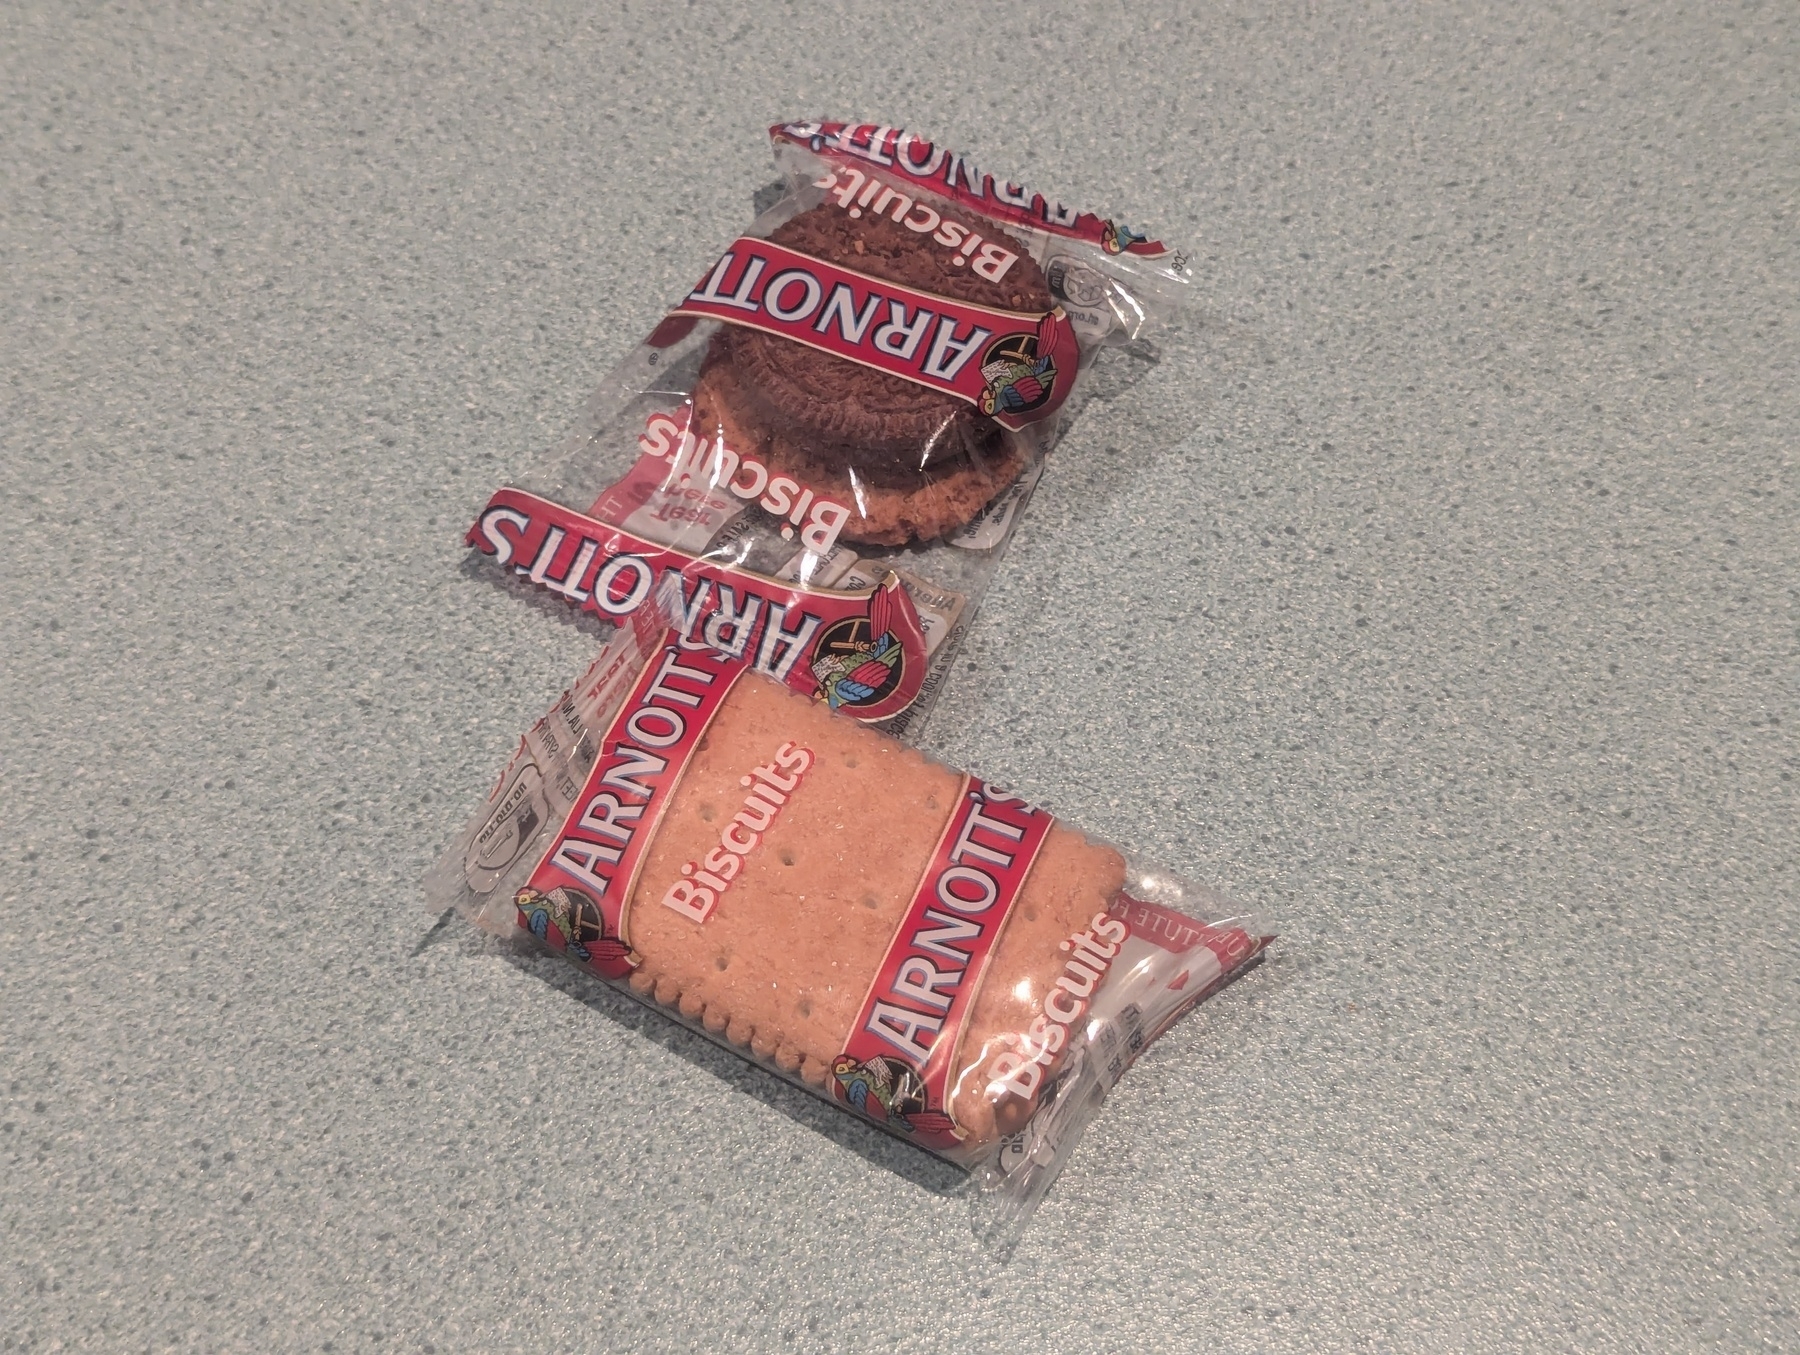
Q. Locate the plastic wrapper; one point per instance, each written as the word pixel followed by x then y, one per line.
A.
pixel 923 948
pixel 844 416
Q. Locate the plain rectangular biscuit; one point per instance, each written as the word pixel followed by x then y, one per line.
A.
pixel 784 961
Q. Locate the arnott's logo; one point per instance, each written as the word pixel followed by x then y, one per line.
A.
pixel 1116 237
pixel 859 659
pixel 569 920
pixel 1019 378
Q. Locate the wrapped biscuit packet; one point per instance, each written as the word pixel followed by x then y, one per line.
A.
pixel 861 388
pixel 921 947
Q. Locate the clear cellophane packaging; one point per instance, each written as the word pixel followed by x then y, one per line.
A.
pixel 831 438
pixel 920 947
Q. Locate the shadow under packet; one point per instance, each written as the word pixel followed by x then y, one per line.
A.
pixel 830 439
pixel 920 947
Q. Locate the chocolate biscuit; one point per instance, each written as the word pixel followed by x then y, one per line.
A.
pixel 918 462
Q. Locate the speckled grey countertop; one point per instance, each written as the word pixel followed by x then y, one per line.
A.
pixel 1436 595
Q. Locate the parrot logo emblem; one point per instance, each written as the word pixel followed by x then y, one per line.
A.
pixel 1116 237
pixel 1020 371
pixel 568 920
pixel 888 1092
pixel 858 661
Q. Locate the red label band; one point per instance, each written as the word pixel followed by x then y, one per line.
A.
pixel 1180 934
pixel 1215 954
pixel 862 651
pixel 900 1063
pixel 575 899
pixel 1015 367
pixel 905 157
